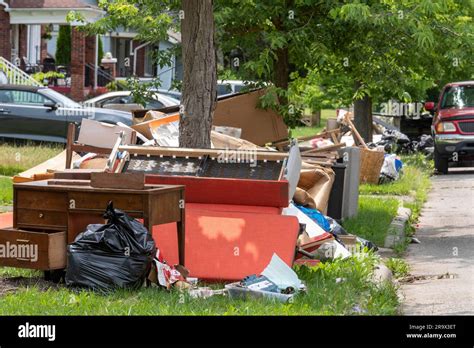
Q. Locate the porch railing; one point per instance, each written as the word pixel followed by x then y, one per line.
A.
pixel 15 75
pixel 103 77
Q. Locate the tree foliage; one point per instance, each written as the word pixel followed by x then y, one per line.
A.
pixel 324 53
pixel 343 51
pixel 63 51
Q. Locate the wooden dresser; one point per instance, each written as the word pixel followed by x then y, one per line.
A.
pixel 52 215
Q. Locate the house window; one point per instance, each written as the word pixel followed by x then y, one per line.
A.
pixel 150 66
pixel 121 50
pixel 178 71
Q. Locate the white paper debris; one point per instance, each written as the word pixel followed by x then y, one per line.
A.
pixel 281 274
pixel 167 134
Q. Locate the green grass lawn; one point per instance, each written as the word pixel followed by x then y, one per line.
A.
pixel 414 180
pixel 373 218
pixel 413 184
pixel 15 159
pixel 305 131
pixel 355 295
pixel 6 191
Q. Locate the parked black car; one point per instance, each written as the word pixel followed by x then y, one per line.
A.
pixel 40 113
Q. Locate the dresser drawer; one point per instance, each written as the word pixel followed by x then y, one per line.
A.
pixel 39 218
pixel 99 201
pixel 31 199
pixel 35 250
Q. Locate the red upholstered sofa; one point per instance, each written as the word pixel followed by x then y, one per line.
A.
pixel 233 226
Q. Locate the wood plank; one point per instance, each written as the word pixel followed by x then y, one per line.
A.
pixel 324 134
pixel 68 182
pixel 88 148
pixel 43 176
pixel 134 181
pixel 76 174
pixel 71 136
pixel 314 155
pixel 185 152
pixel 321 163
pixel 326 148
pixel 355 133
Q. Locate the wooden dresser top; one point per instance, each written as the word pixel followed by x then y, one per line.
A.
pixel 84 186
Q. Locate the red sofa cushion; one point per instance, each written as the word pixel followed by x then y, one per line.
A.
pixel 229 245
pixel 6 220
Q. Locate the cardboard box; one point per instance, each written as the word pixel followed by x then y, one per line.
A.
pixel 259 126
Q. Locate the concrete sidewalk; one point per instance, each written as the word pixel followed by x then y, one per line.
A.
pixel 446 232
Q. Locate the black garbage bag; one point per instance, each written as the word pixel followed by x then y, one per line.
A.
pixel 367 244
pixel 426 141
pixel 392 141
pixel 116 255
pixel 335 228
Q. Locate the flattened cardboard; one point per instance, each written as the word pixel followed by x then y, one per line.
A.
pixel 259 126
pixel 145 128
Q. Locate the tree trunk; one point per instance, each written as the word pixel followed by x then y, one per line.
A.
pixel 199 74
pixel 282 68
pixel 363 117
pixel 282 71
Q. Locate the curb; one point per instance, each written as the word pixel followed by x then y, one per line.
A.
pixel 396 230
pixel 382 274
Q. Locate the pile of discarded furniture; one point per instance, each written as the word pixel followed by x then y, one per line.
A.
pixel 243 212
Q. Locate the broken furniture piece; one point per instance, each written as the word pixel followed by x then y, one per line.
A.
pixel 371 160
pixel 259 126
pixel 96 137
pixel 333 135
pixel 52 215
pixel 233 207
pixel 324 156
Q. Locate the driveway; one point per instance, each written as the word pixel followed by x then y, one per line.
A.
pixel 443 264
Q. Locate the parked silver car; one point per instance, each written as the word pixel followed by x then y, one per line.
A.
pixel 123 100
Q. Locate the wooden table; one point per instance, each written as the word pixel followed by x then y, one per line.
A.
pixel 42 206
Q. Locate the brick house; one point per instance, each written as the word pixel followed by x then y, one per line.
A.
pixel 24 23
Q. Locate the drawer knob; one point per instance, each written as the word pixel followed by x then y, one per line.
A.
pixel 41 215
